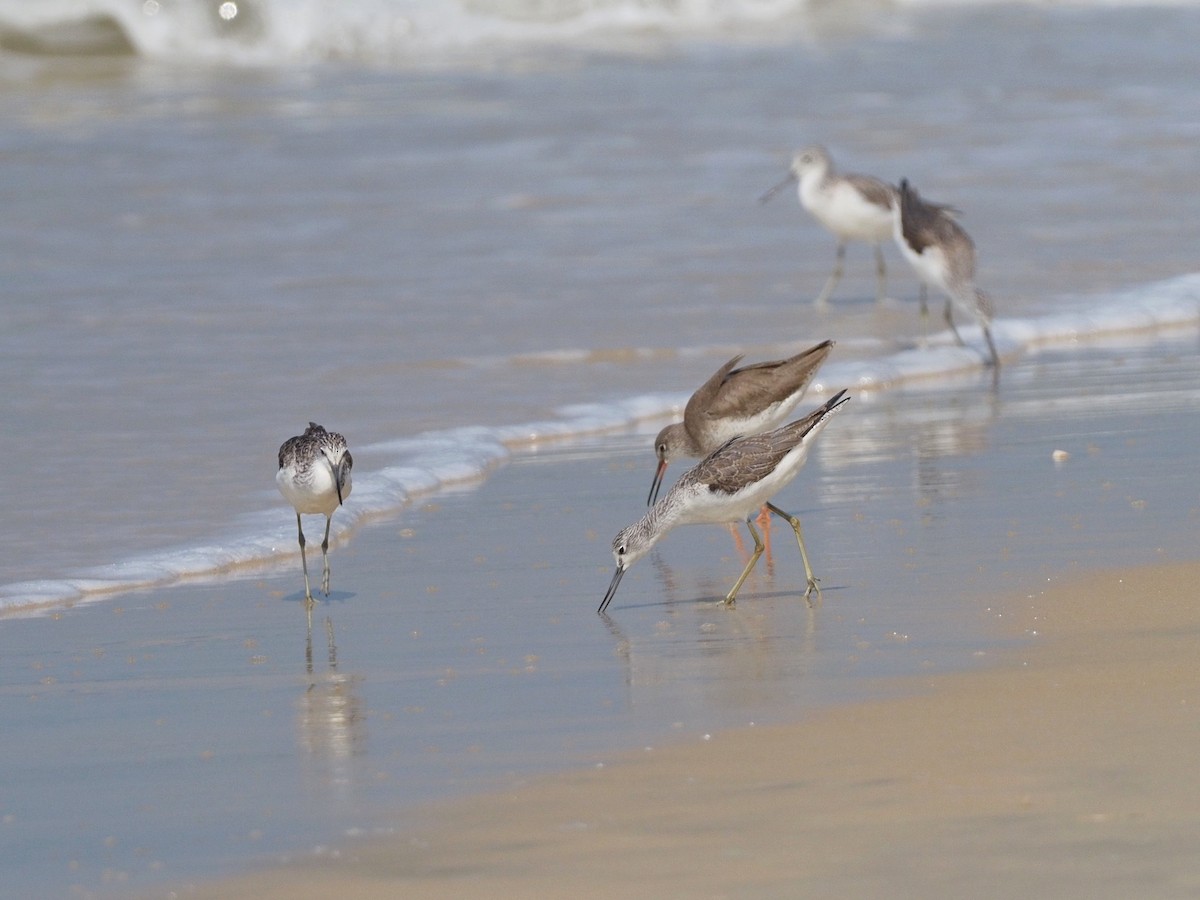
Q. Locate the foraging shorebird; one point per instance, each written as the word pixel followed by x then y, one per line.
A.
pixel 943 256
pixel 314 476
pixel 728 486
pixel 735 402
pixel 852 207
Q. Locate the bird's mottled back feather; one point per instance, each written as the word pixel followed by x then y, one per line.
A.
pixel 743 461
pixel 301 450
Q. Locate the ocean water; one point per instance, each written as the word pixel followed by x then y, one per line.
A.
pixel 218 231
pixel 472 236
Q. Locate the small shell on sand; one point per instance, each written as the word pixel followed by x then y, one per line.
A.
pixel 1060 456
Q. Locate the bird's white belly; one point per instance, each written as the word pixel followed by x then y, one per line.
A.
pixel 930 266
pixel 318 495
pixel 844 212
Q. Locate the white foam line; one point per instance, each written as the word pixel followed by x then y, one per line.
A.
pixel 437 461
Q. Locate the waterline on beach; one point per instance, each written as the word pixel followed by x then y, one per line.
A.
pixel 408 469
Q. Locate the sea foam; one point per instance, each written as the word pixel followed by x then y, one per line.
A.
pixel 413 467
pixel 399 32
pixel 290 32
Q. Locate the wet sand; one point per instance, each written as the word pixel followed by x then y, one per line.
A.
pixel 460 702
pixel 982 705
pixel 1067 770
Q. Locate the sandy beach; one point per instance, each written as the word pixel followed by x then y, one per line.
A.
pixel 1067 769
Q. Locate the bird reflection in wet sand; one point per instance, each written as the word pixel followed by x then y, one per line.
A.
pixel 728 486
pixel 331 720
pixel 734 662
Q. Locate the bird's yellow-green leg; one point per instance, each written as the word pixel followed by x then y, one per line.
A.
pixel 764 522
pixel 813 584
pixel 731 597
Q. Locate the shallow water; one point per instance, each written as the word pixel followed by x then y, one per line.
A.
pixel 185 732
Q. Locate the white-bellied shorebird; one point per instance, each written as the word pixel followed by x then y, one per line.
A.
pixel 314 476
pixel 726 486
pixel 943 256
pixel 852 207
pixel 734 402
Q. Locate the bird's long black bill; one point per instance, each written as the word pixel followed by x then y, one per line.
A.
pixel 612 589
pixel 775 190
pixel 339 478
pixel 657 484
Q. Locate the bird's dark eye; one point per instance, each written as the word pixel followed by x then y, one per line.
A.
pixel 621 550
